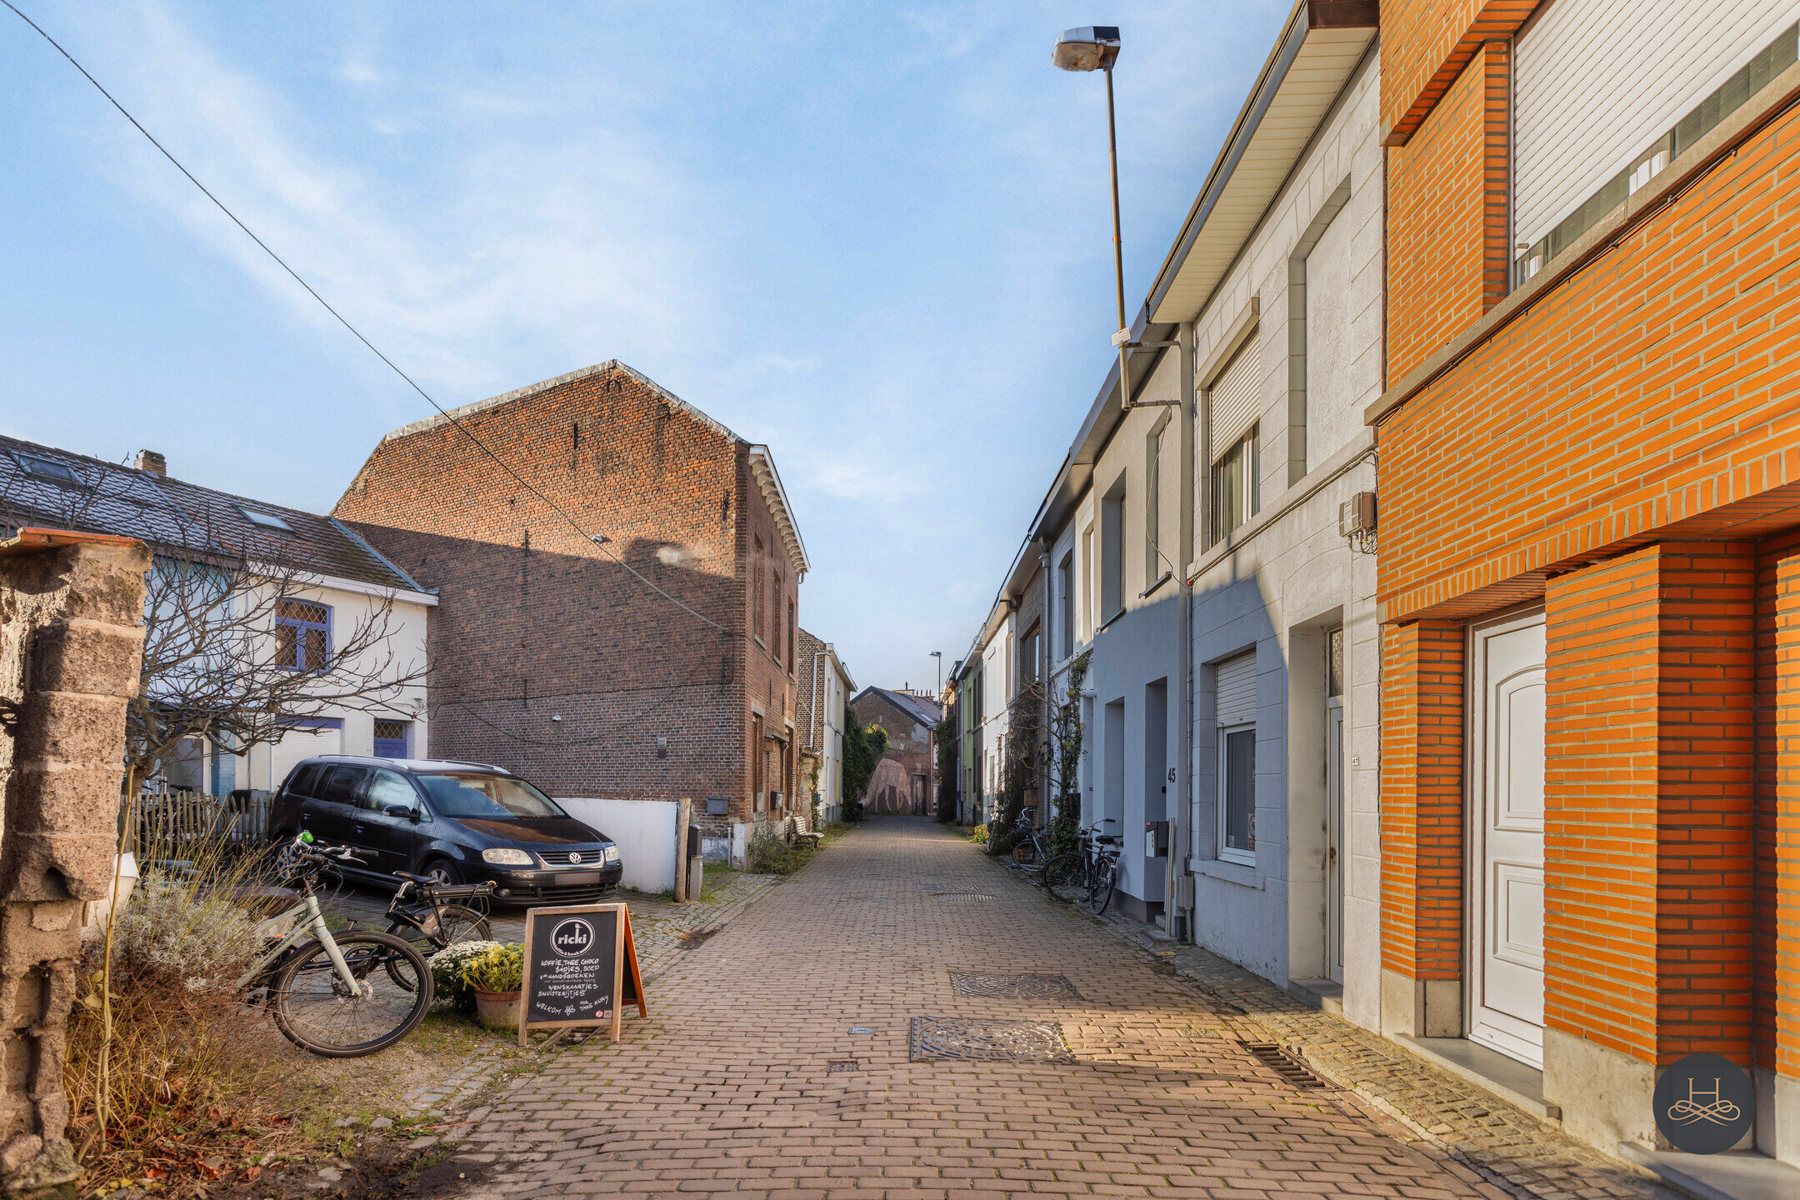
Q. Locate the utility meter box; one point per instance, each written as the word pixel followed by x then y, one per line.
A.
pixel 1156 839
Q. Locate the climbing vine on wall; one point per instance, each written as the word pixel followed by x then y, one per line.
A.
pixel 1066 737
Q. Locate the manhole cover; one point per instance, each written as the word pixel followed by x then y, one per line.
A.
pixel 838 1066
pixel 1014 987
pixel 1283 1064
pixel 988 1041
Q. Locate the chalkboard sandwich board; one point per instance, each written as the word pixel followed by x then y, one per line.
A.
pixel 581 969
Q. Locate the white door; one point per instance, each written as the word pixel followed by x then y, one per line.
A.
pixel 1506 860
pixel 1334 839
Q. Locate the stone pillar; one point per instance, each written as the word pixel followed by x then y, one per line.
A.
pixel 71 641
pixel 1422 703
pixel 1649 776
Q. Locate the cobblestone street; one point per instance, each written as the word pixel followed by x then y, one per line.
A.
pixel 787 1056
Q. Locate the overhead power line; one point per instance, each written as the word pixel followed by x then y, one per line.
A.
pixel 598 542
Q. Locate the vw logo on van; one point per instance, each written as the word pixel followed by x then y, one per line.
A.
pixel 574 856
pixel 572 937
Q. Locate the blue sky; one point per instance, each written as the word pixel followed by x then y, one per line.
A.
pixel 875 237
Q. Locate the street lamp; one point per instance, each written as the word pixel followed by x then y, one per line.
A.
pixel 1096 48
pixel 939 655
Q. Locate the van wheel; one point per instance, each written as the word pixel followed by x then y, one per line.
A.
pixel 442 872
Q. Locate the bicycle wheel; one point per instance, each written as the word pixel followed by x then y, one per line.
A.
pixel 316 1011
pixel 1101 893
pixel 455 923
pixel 1064 875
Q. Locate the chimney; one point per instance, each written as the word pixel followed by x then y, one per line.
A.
pixel 152 461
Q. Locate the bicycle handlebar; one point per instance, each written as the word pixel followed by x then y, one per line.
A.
pixel 307 847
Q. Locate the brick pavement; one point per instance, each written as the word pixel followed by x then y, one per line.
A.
pixel 749 1080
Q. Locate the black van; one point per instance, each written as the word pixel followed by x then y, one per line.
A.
pixel 455 822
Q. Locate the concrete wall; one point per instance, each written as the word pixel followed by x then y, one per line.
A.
pixel 644 831
pixel 1313 274
pixel 71 645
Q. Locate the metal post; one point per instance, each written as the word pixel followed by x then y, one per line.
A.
pixel 1123 337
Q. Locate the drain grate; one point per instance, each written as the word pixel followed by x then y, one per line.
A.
pixel 1283 1064
pixel 962 895
pixel 838 1066
pixel 936 1038
pixel 1014 987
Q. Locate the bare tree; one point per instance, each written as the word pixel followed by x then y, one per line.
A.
pixel 230 655
pixel 227 658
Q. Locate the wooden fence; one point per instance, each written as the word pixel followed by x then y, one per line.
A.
pixel 171 820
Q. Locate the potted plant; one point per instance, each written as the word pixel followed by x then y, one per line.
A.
pixel 447 973
pixel 495 976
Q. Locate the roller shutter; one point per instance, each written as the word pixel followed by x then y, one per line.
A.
pixel 1237 690
pixel 1596 83
pixel 1235 398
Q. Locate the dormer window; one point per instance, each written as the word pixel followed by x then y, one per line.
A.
pixel 266 520
pixel 41 467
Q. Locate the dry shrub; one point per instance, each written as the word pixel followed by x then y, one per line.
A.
pixel 191 1088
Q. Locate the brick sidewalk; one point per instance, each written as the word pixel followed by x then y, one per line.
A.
pixel 755 1076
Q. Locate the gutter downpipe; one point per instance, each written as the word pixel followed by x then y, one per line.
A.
pixel 1180 805
pixel 1043 674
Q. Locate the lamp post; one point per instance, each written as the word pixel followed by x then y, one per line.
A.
pixel 1091 48
pixel 939 655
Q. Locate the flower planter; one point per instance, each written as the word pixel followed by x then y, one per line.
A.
pixel 497 1010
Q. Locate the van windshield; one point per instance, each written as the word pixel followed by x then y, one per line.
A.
pixel 494 797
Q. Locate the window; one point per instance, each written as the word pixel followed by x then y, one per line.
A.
pixel 52 469
pixel 342 784
pixel 759 599
pixel 1090 575
pixel 393 739
pixel 388 789
pixel 793 627
pixel 775 611
pixel 492 797
pixel 1235 692
pixel 1156 564
pixel 1112 552
pixel 266 520
pixel 1237 794
pixel 1065 606
pixel 1233 407
pixel 1029 650
pixel 758 765
pixel 302 635
pixel 1237 488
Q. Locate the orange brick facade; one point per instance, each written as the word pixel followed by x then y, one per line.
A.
pixel 1618 441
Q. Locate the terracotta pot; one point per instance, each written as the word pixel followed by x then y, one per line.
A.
pixel 497 1010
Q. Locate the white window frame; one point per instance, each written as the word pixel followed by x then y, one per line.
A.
pixel 1232 854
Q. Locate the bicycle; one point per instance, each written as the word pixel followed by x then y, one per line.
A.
pixel 422 910
pixel 331 995
pixel 1031 850
pixel 1089 874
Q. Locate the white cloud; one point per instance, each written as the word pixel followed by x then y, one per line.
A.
pixel 526 246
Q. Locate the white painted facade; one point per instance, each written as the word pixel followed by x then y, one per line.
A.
pixel 997 685
pixel 1305 297
pixel 333 729
pixel 1118 588
pixel 829 686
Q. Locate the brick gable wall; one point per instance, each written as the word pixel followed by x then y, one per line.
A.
pixel 535 622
